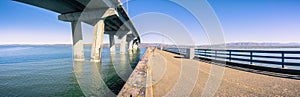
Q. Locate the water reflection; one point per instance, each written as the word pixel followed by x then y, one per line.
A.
pixel 90 80
pixel 122 67
pixel 134 58
pixel 107 78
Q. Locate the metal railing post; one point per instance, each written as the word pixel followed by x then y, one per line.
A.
pixel 205 53
pixel 230 55
pixel 282 60
pixel 215 54
pixel 251 57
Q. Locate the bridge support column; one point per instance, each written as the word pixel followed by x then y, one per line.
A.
pixel 135 46
pixel 78 52
pixel 123 45
pixel 97 41
pixel 130 44
pixel 112 44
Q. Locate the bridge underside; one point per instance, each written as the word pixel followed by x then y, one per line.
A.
pixel 107 17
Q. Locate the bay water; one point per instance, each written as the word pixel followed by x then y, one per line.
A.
pixel 49 70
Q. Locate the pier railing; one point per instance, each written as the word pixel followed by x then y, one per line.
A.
pixel 267 57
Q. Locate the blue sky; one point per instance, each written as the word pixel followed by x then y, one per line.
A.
pixel 242 21
pixel 259 20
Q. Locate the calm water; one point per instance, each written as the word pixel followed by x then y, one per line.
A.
pixel 50 71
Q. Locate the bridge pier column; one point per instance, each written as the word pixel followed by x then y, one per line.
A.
pixel 135 46
pixel 97 41
pixel 123 45
pixel 78 52
pixel 130 44
pixel 112 44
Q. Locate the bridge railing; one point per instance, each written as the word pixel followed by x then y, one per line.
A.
pixel 263 57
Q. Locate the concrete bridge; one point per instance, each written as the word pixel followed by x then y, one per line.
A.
pixel 107 17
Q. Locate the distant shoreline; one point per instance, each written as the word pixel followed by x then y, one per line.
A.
pixel 242 45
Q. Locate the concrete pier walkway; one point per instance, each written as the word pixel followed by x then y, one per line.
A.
pixel 173 75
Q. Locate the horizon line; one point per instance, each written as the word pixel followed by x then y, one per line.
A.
pixel 144 43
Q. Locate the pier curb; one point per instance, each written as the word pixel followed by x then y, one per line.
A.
pixel 139 82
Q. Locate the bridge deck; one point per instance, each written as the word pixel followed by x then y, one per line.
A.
pixel 167 68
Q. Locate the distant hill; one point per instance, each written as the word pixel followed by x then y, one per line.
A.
pixel 262 45
pixel 228 45
pixel 233 45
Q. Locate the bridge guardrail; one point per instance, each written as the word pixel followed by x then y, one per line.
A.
pixel 267 57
